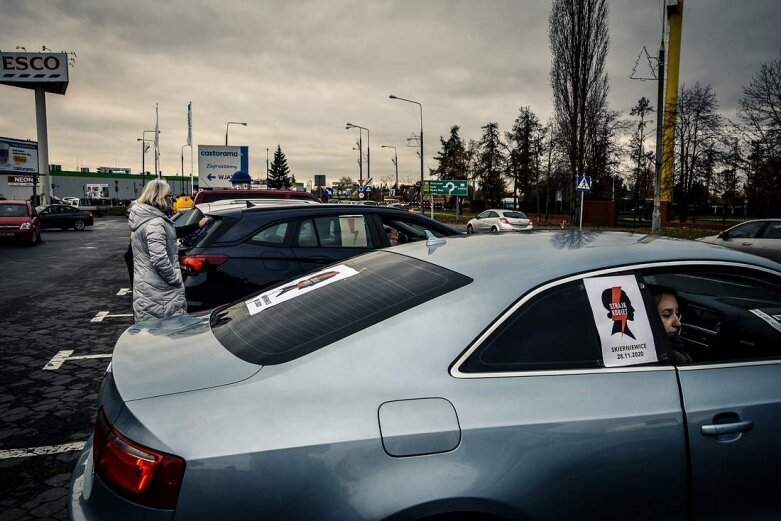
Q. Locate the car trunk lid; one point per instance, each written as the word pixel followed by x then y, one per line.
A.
pixel 168 356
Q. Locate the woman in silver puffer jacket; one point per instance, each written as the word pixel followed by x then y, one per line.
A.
pixel 158 290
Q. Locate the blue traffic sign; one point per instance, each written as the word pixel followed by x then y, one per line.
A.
pixel 329 192
pixel 584 183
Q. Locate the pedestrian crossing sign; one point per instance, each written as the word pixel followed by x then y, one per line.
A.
pixel 584 183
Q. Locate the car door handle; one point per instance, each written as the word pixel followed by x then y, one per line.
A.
pixel 745 244
pixel 727 428
pixel 319 259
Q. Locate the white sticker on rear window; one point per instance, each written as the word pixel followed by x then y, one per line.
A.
pixel 621 320
pixel 298 287
pixel 773 318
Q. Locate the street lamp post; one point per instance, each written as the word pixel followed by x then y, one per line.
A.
pixel 228 126
pixel 181 183
pixel 368 150
pixel 143 152
pixel 395 161
pixel 266 167
pixel 421 145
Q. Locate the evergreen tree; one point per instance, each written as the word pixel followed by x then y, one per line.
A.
pixel 279 173
pixel 451 158
pixel 522 160
pixel 491 165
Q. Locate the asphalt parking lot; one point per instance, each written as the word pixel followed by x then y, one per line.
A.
pixel 64 303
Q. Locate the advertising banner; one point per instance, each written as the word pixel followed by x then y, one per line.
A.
pixel 217 163
pixel 17 156
pixel 23 180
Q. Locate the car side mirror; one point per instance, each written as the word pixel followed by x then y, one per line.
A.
pixel 723 235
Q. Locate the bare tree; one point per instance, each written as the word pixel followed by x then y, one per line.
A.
pixel 760 106
pixel 698 125
pixel 579 41
pixel 760 110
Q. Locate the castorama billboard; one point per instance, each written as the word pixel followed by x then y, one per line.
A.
pixel 217 163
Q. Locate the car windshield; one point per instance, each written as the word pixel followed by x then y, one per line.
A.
pixel 13 210
pixel 515 215
pixel 301 316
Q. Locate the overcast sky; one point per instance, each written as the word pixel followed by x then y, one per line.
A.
pixel 297 71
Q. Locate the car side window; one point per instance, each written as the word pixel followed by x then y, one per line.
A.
pixel 555 330
pixel 484 215
pixel 343 231
pixel 274 234
pixel 306 237
pixel 773 230
pixel 409 229
pixel 745 231
pixel 725 315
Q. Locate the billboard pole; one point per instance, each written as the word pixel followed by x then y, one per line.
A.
pixel 43 146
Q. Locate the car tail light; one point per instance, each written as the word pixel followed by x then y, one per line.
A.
pixel 135 472
pixel 503 220
pixel 198 263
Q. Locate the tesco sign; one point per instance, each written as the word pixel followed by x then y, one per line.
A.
pixel 35 70
pixel 36 63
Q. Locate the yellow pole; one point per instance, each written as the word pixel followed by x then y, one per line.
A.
pixel 675 23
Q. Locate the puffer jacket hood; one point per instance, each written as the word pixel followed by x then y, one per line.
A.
pixel 141 213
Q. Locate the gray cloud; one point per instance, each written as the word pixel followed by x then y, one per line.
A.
pixel 297 71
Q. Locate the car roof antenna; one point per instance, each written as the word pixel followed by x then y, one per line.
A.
pixel 250 205
pixel 434 242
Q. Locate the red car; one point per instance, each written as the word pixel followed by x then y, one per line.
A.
pixel 19 222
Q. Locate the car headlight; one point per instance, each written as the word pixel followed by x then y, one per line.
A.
pixel 25 226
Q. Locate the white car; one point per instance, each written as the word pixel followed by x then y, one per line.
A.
pixel 495 220
pixel 73 201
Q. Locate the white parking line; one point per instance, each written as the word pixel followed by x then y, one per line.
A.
pixel 58 359
pixel 39 451
pixel 123 291
pixel 105 314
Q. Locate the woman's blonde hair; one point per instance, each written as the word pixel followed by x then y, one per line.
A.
pixel 154 194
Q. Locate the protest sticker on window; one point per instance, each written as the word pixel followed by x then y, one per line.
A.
pixel 621 320
pixel 298 287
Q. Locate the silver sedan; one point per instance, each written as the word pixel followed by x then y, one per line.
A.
pixel 420 382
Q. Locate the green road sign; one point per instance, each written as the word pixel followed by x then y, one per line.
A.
pixel 446 187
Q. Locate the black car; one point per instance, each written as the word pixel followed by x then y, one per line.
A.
pixel 243 250
pixel 64 216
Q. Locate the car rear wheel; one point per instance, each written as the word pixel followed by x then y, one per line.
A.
pixel 494 229
pixel 78 225
pixel 469 229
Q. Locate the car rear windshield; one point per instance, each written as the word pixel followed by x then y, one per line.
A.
pixel 379 285
pixel 515 215
pixel 13 210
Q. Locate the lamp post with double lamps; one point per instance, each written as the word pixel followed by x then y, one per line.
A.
pixel 228 126
pixel 421 144
pixel 368 150
pixel 144 148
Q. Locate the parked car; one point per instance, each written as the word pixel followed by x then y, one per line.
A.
pixel 760 237
pixel 246 249
pixel 73 201
pixel 64 216
pixel 210 196
pixel 498 220
pixel 421 382
pixel 19 222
